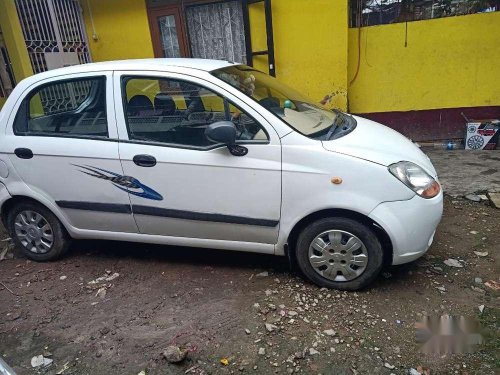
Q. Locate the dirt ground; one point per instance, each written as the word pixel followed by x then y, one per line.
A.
pixel 217 304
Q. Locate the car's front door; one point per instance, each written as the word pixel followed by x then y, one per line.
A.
pixel 186 185
pixel 63 145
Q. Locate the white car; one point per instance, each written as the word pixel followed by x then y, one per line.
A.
pixel 210 154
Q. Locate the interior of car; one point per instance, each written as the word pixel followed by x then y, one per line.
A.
pixel 181 118
pixel 171 112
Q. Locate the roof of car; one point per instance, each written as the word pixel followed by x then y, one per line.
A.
pixel 142 64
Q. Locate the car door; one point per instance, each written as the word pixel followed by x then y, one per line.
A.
pixel 63 145
pixel 187 186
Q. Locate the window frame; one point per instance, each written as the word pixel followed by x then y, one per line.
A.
pixel 123 94
pixel 31 91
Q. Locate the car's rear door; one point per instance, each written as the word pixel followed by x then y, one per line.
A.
pixel 63 144
pixel 187 186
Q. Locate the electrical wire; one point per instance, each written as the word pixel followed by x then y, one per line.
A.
pixel 359 20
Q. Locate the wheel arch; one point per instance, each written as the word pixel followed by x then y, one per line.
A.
pixel 381 234
pixel 16 199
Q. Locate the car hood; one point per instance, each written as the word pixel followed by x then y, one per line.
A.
pixel 379 144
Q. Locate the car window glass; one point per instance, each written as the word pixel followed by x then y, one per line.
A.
pixel 177 113
pixel 65 108
pixel 302 114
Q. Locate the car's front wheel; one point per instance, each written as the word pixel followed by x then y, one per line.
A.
pixel 339 253
pixel 37 232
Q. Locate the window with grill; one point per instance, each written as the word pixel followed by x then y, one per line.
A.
pixel 216 31
pixel 379 12
pixel 7 81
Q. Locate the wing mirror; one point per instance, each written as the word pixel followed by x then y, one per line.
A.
pixel 225 132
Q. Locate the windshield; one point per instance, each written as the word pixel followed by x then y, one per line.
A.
pixel 292 107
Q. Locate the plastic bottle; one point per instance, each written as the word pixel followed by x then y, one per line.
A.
pixel 447 145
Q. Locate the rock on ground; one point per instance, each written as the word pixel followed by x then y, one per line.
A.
pixel 174 354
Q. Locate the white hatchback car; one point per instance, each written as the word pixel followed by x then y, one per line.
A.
pixel 210 154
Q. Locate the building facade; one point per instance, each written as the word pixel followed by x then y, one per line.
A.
pixel 403 67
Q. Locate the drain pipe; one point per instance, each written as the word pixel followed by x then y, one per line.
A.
pixel 94 33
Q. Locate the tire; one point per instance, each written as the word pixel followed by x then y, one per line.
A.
pixel 35 231
pixel 337 254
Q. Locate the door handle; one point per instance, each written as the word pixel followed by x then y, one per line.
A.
pixel 144 160
pixel 23 153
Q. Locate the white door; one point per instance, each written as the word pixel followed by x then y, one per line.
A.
pixel 198 189
pixel 63 145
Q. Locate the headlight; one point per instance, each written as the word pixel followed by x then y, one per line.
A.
pixel 415 178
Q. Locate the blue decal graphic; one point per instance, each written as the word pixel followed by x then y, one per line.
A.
pixel 126 183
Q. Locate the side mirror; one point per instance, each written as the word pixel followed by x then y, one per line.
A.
pixel 225 132
pixel 221 132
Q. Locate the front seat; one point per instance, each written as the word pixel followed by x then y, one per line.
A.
pixel 138 104
pixel 164 104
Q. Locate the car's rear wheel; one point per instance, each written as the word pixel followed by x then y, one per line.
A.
pixel 37 232
pixel 339 253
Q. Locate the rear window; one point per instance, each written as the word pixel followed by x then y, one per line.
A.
pixel 65 108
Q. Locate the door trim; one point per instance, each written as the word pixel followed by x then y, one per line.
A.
pixel 96 206
pixel 165 212
pixel 202 216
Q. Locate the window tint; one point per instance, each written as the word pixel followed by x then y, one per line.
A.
pixel 65 108
pixel 177 113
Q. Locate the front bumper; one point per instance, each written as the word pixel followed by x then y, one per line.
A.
pixel 410 225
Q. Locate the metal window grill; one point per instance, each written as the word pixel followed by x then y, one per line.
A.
pixel 379 12
pixel 169 39
pixel 52 26
pixel 63 97
pixel 7 81
pixel 49 27
pixel 216 31
pixel 3 91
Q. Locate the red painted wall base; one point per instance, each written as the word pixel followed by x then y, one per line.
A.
pixel 433 124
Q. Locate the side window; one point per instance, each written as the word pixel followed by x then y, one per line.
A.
pixel 177 112
pixel 65 108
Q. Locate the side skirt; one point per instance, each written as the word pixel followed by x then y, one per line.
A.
pixel 173 241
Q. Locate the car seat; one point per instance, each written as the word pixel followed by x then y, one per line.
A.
pixel 164 104
pixel 138 104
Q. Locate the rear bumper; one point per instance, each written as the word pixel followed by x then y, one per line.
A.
pixel 410 225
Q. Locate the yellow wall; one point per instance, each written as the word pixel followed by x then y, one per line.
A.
pixel 448 63
pixel 121 27
pixel 312 59
pixel 310 44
